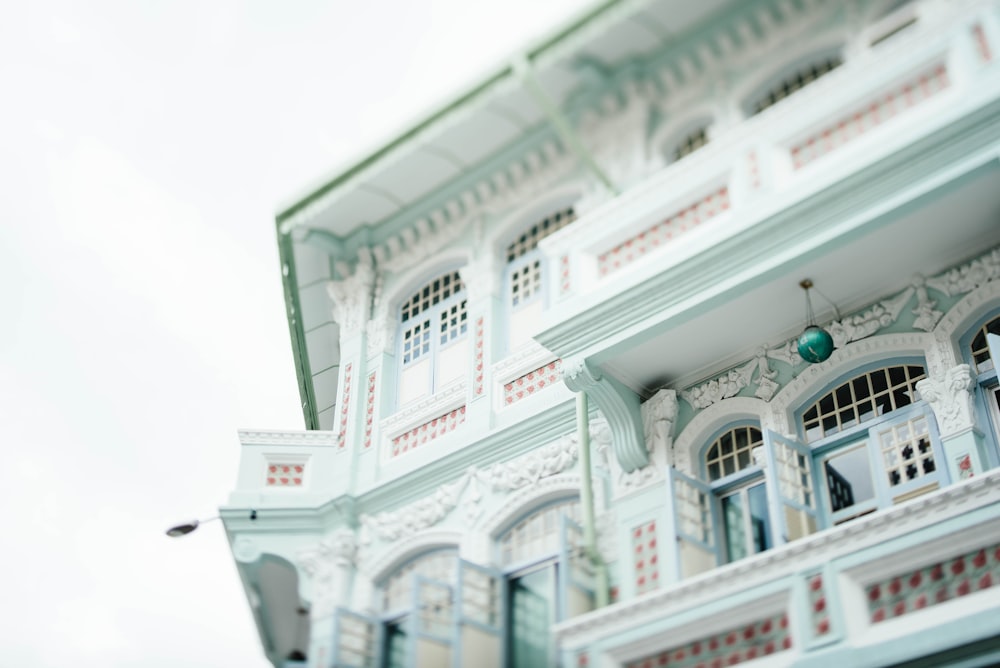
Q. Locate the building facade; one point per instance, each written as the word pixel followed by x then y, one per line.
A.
pixel 546 345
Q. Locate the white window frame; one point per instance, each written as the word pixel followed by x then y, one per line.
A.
pixel 524 260
pixel 435 347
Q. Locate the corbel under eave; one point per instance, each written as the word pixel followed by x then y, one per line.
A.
pixel 620 407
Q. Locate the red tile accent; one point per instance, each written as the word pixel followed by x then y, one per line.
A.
pixel 650 239
pixel 370 410
pixel 531 382
pixel 965 467
pixel 345 406
pixel 818 606
pixel 285 474
pixel 565 284
pixel 753 170
pixel 854 124
pixel 727 648
pixel 645 560
pixel 925 587
pixel 428 431
pixel 477 385
pixel 982 44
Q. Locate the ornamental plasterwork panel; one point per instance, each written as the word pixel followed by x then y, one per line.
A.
pixel 733 381
pixel 616 133
pixel 526 471
pixel 659 413
pixel 352 295
pixel 950 399
pixel 959 318
pixel 969 276
pixel 327 566
pixel 866 323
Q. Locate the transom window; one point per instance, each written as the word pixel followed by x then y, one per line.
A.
pixel 861 399
pixel 980 351
pixel 398 590
pixel 795 82
pixel 525 275
pixel 731 452
pixel 536 534
pixel 433 345
pixel 690 143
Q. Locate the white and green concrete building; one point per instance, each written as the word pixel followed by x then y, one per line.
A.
pixel 546 347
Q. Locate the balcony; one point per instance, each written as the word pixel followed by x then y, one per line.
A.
pixel 909 581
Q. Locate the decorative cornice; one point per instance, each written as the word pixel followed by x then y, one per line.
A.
pixel 816 549
pixel 620 407
pixel 288 438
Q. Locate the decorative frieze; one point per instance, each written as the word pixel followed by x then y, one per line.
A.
pixel 869 116
pixel 911 591
pixel 531 382
pixel 426 512
pixel 733 381
pixel 729 648
pixel 352 295
pixel 428 431
pixel 652 238
pixel 327 566
pixel 528 469
pixel 969 276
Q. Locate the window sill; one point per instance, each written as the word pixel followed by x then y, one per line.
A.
pixel 419 412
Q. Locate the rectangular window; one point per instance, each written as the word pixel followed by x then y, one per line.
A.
pixel 849 484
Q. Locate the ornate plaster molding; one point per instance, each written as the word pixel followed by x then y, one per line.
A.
pixel 287 438
pixel 866 323
pixel 969 276
pixel 390 526
pixel 951 399
pixel 401 551
pixel 530 468
pixel 620 407
pixel 327 566
pixel 733 381
pixel 659 413
pixel 352 295
pixel 514 506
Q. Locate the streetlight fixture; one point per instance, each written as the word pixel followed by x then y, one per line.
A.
pixel 187 527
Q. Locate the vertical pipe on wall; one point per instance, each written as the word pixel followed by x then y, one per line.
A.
pixel 587 499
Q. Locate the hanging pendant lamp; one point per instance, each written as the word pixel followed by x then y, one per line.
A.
pixel 815 343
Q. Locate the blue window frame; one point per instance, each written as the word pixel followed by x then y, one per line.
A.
pixel 873 443
pixel 740 495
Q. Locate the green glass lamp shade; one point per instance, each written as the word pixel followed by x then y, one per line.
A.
pixel 815 344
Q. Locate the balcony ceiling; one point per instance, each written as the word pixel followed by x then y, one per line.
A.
pixel 955 223
pixel 466 134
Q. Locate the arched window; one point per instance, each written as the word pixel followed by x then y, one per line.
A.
pixel 979 348
pixel 738 486
pixel 434 350
pixel 525 276
pixel 544 563
pixel 731 452
pixel 875 444
pixel 417 605
pixel 799 79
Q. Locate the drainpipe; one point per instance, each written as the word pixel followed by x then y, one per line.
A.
pixel 587 499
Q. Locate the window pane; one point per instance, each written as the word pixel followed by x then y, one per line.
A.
pixel 760 522
pixel 733 525
pixel 849 478
pixel 531 611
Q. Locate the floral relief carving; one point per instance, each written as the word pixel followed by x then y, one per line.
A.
pixel 352 296
pixel 530 468
pixel 327 565
pixel 927 316
pixel 950 399
pixel 658 416
pixel 864 324
pixel 393 525
pixel 969 276
pixel 733 381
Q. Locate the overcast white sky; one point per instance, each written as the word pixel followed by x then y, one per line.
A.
pixel 144 146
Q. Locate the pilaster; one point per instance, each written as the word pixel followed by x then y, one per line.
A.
pixel 950 397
